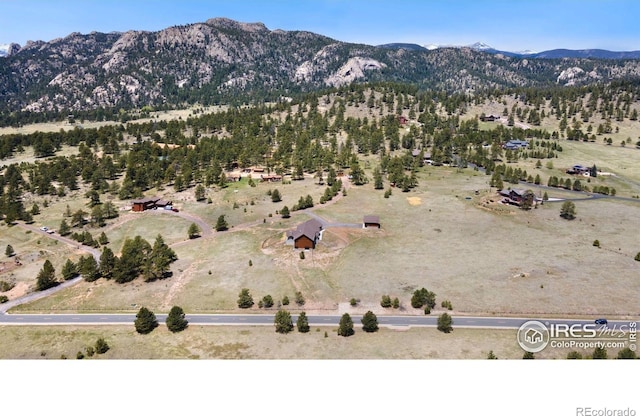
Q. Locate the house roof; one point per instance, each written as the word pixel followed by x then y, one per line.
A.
pixel 146 200
pixel 371 219
pixel 309 229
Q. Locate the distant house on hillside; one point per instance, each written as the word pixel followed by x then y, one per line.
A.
pixel 490 117
pixel 578 170
pixel 271 178
pixel 516 196
pixel 516 144
pixel 306 235
pixel 153 202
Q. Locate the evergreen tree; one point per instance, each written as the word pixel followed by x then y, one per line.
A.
pixel 9 252
pixel 199 193
pixel 568 210
pixel 103 239
pixel 107 263
pixel 267 301
pixel 444 323
pixel 369 322
pixel 599 353
pixel 303 323
pixel 88 268
pixel 134 254
pixel 299 299
pixel 221 224
pixel 145 321
pixel 386 301
pixel 176 321
pixel 283 322
pixel 627 354
pixel 422 297
pixel 245 300
pixel 64 228
pixel 46 277
pixel 346 326
pixel 156 265
pixel 377 179
pixel 275 196
pixel 69 270
pixel 101 346
pixel 193 231
pixel 284 212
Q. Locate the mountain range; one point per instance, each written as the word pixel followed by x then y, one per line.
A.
pixel 225 61
pixel 550 54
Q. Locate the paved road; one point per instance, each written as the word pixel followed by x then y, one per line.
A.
pixel 267 319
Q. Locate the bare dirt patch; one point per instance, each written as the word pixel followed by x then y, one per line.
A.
pixel 414 200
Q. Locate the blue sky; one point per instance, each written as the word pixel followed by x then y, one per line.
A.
pixel 507 25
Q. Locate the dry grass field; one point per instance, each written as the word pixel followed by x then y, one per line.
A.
pixel 485 257
pixel 261 342
pixel 449 235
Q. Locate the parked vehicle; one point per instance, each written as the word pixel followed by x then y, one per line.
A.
pixel 601 321
pixel 44 228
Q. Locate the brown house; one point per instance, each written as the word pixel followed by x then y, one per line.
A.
pixel 306 235
pixel 144 204
pixel 371 221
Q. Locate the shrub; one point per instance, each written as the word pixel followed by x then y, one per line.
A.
pixel 101 346
pixel 596 243
pixel 386 301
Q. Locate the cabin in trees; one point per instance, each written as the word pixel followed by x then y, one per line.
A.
pixel 516 144
pixel 371 221
pixel 516 196
pixel 306 235
pixel 578 170
pixel 271 178
pixel 153 202
pixel 490 117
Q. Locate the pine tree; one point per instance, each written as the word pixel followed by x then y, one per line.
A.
pixel 69 270
pixel 369 322
pixel 176 321
pixel 568 210
pixel 145 321
pixel 107 263
pixel 64 228
pixel 46 277
pixel 303 323
pixel 221 224
pixel 199 193
pixel 88 268
pixel 158 262
pixel 193 231
pixel 101 346
pixel 444 323
pixel 275 196
pixel 284 212
pixel 9 252
pixel 346 326
pixel 245 300
pixel 283 322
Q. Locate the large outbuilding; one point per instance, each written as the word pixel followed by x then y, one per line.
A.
pixel 371 221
